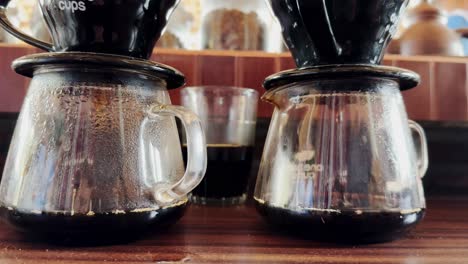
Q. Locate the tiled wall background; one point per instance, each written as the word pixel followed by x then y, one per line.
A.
pixel 442 95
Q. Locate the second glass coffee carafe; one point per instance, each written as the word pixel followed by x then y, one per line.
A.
pixel 340 162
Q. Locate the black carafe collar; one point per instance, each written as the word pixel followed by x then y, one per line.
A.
pixel 28 65
pixel 407 79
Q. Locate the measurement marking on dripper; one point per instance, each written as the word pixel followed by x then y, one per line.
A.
pixel 73 5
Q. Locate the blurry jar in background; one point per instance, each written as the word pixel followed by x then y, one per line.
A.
pixel 449 5
pixel 455 10
pixel 26 15
pixel 446 5
pixel 37 24
pixel 239 25
pixel 19 12
pixel 428 33
pixel 183 30
pixel 458 19
pixel 2 35
pixel 405 21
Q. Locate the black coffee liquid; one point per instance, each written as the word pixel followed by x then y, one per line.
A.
pixel 124 27
pixel 345 226
pixel 112 227
pixel 228 171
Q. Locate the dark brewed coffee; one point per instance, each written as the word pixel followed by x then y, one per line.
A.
pixel 93 228
pixel 125 27
pixel 228 172
pixel 337 31
pixel 344 226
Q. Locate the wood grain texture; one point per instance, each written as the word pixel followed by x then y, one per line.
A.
pixel 238 235
pixel 418 100
pixel 186 63
pixel 217 70
pixel 12 86
pixel 287 63
pixel 251 72
pixel 450 96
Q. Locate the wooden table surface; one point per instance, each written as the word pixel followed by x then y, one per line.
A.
pixel 238 235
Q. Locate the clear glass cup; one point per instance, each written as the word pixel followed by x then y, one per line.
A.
pixel 229 117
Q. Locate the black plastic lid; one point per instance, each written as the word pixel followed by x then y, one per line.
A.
pixel 27 65
pixel 406 78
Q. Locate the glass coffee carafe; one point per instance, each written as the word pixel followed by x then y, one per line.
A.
pixel 340 162
pixel 96 153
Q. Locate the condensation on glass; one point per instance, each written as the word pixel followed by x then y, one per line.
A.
pixel 341 147
pixel 93 143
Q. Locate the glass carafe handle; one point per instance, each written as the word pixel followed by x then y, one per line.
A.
pixel 196 153
pixel 9 27
pixel 423 159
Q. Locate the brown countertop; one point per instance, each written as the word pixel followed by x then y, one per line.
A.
pixel 238 235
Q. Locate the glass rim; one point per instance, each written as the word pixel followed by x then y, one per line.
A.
pixel 222 89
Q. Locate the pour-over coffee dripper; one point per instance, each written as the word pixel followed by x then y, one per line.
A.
pixel 320 32
pixel 340 162
pixel 129 28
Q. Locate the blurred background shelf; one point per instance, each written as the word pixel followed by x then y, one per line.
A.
pixel 442 95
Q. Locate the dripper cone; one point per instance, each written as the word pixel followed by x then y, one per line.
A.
pixel 125 27
pixel 322 32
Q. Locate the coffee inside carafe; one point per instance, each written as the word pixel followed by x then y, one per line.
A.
pixel 352 226
pixel 340 163
pixel 93 228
